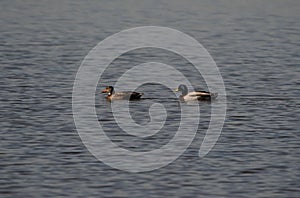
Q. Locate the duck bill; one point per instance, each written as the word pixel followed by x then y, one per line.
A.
pixel 176 90
pixel 104 91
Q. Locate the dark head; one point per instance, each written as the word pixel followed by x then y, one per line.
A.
pixel 183 89
pixel 109 90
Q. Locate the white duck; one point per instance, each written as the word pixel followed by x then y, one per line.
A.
pixel 195 95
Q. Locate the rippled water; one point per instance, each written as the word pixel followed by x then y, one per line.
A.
pixel 255 45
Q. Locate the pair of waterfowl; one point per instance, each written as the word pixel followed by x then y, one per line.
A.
pixel 185 95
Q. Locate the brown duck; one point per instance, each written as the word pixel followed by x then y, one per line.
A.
pixel 127 95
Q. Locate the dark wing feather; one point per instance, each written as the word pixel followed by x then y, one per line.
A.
pixel 127 95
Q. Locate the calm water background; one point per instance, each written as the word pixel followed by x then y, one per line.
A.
pixel 256 45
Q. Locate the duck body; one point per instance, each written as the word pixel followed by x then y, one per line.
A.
pixel 127 95
pixel 195 95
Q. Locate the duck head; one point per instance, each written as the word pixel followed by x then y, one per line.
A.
pixel 182 88
pixel 109 90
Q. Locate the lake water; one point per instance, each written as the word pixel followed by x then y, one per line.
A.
pixel 256 47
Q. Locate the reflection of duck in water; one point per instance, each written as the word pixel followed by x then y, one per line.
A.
pixel 111 95
pixel 195 95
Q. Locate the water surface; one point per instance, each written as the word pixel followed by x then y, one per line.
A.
pixel 255 45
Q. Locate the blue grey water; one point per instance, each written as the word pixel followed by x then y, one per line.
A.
pixel 256 46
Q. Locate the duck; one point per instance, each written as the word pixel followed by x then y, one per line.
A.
pixel 195 95
pixel 111 95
